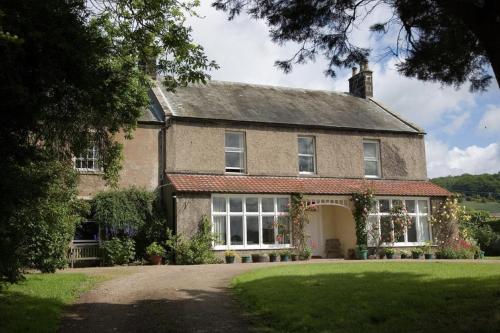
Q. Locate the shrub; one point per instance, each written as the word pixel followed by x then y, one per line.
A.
pixel 118 251
pixel 417 252
pixel 133 213
pixel 155 249
pixel 230 254
pixel 306 253
pixel 389 251
pixel 195 250
pixel 37 235
pixel 404 254
pixel 459 250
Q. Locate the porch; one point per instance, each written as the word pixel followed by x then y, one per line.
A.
pixel 331 226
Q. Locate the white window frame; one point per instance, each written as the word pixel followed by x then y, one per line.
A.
pixel 417 216
pixel 241 150
pixel 244 213
pixel 313 155
pixel 86 157
pixel 371 159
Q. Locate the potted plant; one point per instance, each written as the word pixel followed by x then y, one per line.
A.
pixel 295 256
pixel 273 256
pixel 285 255
pixel 405 254
pixel 230 255
pixel 155 253
pixel 305 254
pixel 389 252
pixel 246 259
pixel 362 252
pixel 427 250
pixel 416 253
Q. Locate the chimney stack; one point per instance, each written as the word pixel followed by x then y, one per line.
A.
pixel 361 84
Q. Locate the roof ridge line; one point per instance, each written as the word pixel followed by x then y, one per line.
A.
pixel 398 116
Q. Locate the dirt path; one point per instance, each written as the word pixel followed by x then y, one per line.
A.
pixel 160 299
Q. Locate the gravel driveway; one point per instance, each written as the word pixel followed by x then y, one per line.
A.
pixel 160 299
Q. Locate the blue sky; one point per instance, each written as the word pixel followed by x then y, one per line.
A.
pixel 463 129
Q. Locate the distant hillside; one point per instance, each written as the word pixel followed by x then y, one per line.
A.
pixel 485 186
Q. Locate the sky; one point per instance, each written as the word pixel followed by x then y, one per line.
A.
pixel 463 128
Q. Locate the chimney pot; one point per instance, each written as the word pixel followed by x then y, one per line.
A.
pixel 361 83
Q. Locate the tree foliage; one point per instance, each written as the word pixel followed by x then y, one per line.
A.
pixel 71 77
pixel 482 186
pixel 448 41
pixel 130 213
pixel 37 234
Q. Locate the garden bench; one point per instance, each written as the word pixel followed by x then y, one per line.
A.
pixel 85 252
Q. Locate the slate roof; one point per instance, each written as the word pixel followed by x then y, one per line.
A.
pixel 242 102
pixel 154 113
pixel 282 185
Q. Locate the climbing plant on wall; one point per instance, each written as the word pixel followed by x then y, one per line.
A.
pixel 299 219
pixel 363 202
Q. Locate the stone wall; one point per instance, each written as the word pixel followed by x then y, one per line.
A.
pixel 273 151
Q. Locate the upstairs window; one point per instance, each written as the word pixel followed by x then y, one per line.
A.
pixel 306 155
pixel 88 161
pixel 235 152
pixel 371 155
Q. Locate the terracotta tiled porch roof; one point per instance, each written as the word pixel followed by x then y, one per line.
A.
pixel 259 184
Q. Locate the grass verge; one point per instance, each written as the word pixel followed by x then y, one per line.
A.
pixel 35 304
pixel 373 297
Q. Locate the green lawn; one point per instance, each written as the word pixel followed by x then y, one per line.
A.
pixel 373 297
pixel 489 206
pixel 35 304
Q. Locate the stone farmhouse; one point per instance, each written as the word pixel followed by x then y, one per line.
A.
pixel 236 153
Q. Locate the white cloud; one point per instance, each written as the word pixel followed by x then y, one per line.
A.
pixel 444 161
pixel 490 121
pixel 456 122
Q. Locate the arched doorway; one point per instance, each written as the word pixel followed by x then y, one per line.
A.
pixel 331 221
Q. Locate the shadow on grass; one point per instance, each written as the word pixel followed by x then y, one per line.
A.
pixel 196 311
pixel 23 313
pixel 372 302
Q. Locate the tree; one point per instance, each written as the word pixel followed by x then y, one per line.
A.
pixel 74 73
pixel 448 41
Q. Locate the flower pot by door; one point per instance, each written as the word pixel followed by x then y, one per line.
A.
pixel 245 259
pixel 363 254
pixel 284 257
pixel 481 254
pixel 428 256
pixel 229 259
pixel 273 258
pixel 155 260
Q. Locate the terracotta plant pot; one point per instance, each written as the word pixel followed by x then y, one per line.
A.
pixel 155 259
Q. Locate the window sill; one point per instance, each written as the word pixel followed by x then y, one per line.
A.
pixel 373 177
pixel 90 172
pixel 251 247
pixel 308 174
pixel 235 173
pixel 408 244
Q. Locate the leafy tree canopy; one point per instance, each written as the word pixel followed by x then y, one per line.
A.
pixel 70 78
pixel 448 41
pixel 476 186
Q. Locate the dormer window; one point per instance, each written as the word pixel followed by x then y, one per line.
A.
pixel 371 156
pixel 235 152
pixel 88 161
pixel 307 156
